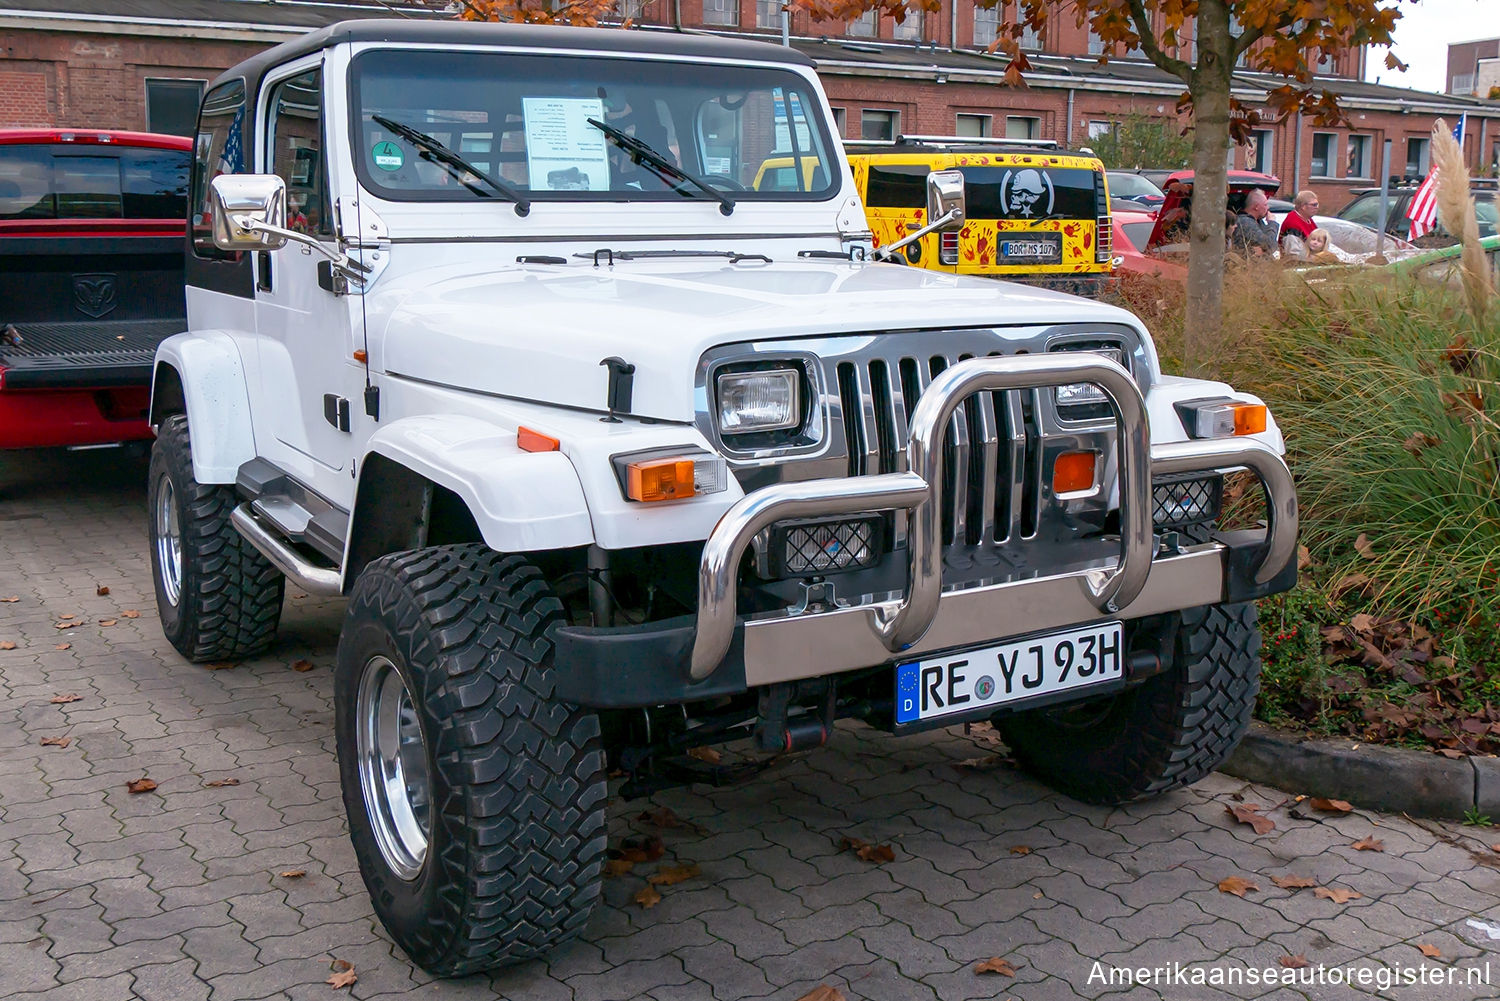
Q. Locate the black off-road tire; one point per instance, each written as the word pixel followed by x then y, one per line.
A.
pixel 1169 731
pixel 227 601
pixel 515 831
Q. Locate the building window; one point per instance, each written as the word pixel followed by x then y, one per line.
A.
pixel 172 106
pixel 1325 151
pixel 1022 128
pixel 1096 44
pixel 879 124
pixel 1358 161
pixel 986 25
pixel 973 126
pixel 768 13
pixel 1416 156
pixel 1098 128
pixel 839 119
pixel 867 25
pixel 1262 150
pixel 1030 39
pixel 721 11
pixel 630 10
pixel 909 30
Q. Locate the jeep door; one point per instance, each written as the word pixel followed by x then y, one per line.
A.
pixel 309 380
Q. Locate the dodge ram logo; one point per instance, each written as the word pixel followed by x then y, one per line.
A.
pixel 94 295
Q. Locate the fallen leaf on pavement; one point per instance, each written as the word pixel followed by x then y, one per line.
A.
pixel 65 618
pixel 1249 813
pixel 294 874
pixel 823 992
pixel 1294 882
pixel 141 784
pixel 617 866
pixel 705 754
pixel 648 897
pixel 1296 962
pixel 868 852
pixel 1451 753
pixel 218 665
pixel 664 818
pixel 673 874
pixel 56 741
pixel 63 646
pixel 1337 894
pixel 62 700
pixel 343 974
pixel 11 600
pixel 985 733
pixel 1430 951
pixel 101 590
pixel 1331 805
pixel 66 625
pixel 995 965
pixel 107 622
pixel 980 764
pixel 1237 885
pixel 130 613
pixel 7 645
pixel 642 848
pixel 220 783
pixel 1368 844
pixel 302 665
pixel 1020 850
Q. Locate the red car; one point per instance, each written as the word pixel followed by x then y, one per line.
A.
pixel 91 279
pixel 1132 233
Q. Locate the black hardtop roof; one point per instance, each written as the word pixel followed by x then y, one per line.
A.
pixel 539 36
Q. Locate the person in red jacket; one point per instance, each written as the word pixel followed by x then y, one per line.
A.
pixel 1299 222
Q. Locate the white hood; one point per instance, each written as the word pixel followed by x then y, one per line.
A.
pixel 539 332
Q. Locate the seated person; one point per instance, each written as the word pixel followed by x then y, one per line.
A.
pixel 1254 235
pixel 1321 250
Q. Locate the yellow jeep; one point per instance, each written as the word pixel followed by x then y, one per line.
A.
pixel 1035 212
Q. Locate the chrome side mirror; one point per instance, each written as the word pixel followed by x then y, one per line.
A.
pixel 945 199
pixel 247 210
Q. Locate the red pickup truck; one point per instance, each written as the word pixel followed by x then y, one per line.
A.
pixel 91 280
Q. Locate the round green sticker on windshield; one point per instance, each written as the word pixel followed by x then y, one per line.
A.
pixel 387 156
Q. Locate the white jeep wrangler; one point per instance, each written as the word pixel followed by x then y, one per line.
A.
pixel 559 353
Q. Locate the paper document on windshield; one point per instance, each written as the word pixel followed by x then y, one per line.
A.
pixel 563 151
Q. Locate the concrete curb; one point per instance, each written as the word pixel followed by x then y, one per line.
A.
pixel 1372 776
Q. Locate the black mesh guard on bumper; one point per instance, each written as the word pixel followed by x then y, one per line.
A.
pixel 632 666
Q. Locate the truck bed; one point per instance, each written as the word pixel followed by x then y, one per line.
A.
pixel 94 353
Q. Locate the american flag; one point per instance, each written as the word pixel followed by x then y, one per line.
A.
pixel 1423 212
pixel 232 160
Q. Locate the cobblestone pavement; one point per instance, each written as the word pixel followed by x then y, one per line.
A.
pixel 181 893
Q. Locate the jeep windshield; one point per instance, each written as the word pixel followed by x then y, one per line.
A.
pixel 524 120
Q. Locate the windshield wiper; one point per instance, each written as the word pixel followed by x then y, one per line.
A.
pixel 1049 217
pixel 641 152
pixel 435 152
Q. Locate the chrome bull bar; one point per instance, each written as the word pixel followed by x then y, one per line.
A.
pixel 899 624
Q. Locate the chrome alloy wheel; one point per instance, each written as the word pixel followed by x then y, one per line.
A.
pixel 168 540
pixel 393 773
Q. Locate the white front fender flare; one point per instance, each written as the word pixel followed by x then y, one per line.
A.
pixel 214 394
pixel 521 501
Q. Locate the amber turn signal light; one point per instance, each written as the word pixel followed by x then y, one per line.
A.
pixel 1073 472
pixel 1249 418
pixel 528 440
pixel 659 479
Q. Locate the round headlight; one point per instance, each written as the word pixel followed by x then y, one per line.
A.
pixel 769 400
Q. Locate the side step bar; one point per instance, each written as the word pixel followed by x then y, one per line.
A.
pixel 312 578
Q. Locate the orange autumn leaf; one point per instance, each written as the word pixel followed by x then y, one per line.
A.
pixel 56 741
pixel 1331 805
pixel 648 897
pixel 1294 882
pixel 1368 844
pixel 674 874
pixel 1337 894
pixel 1237 885
pixel 1296 962
pixel 823 992
pixel 1249 813
pixel 141 784
pixel 618 866
pixel 62 700
pixel 1430 951
pixel 996 965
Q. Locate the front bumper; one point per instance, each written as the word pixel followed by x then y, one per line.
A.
pixel 719 652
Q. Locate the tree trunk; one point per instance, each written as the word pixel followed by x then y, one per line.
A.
pixel 1210 92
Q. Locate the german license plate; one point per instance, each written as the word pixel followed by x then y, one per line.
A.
pixel 1031 250
pixel 992 676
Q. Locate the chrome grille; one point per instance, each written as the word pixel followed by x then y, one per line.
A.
pixel 991 441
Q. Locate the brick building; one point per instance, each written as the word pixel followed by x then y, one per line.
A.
pixel 141 64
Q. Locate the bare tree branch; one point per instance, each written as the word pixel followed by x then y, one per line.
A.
pixel 1178 68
